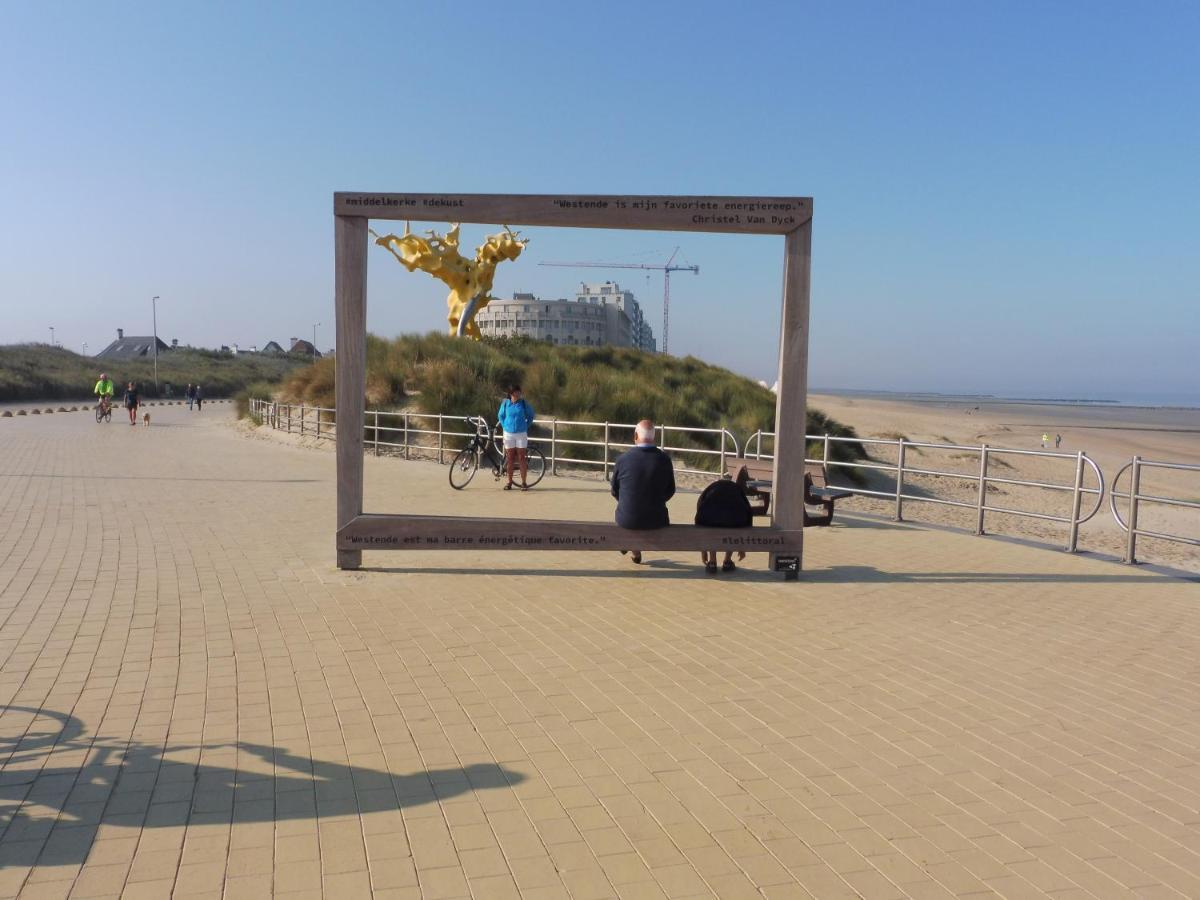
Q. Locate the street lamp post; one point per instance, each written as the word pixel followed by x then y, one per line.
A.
pixel 85 348
pixel 51 335
pixel 154 313
pixel 315 339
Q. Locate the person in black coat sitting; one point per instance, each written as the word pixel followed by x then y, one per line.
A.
pixel 643 480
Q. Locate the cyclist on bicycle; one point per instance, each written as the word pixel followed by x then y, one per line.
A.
pixel 104 389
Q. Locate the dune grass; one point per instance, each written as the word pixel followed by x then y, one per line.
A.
pixel 438 373
pixel 40 372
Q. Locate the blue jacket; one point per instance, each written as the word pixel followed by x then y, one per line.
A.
pixel 643 481
pixel 515 418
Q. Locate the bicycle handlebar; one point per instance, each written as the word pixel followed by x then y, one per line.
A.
pixel 481 425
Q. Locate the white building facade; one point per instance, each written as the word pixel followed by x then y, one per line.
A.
pixel 600 315
pixel 609 294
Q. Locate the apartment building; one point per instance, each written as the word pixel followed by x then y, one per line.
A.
pixel 600 314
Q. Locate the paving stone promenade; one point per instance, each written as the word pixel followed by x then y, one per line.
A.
pixel 195 702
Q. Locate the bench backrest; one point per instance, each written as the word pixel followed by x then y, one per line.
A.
pixel 816 471
pixel 756 468
pixel 764 469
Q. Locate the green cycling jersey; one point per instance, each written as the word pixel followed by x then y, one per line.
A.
pixel 104 388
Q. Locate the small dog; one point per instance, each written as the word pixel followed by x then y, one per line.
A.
pixel 146 420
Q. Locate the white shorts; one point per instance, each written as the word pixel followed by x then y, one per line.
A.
pixel 518 441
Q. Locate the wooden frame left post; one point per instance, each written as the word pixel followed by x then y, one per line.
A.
pixel 350 370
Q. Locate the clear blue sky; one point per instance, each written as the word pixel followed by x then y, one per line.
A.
pixel 1007 195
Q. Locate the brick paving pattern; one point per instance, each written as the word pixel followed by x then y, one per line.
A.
pixel 194 702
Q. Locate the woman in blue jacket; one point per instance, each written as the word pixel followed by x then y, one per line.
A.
pixel 516 415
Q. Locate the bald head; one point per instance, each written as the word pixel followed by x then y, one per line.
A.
pixel 644 432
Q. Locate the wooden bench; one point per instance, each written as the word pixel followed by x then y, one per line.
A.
pixel 754 477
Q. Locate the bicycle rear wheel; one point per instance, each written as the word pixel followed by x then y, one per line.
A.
pixel 536 465
pixel 463 468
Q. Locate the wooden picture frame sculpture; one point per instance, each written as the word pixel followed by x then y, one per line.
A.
pixel 790 217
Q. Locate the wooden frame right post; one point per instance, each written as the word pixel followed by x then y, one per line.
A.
pixel 791 403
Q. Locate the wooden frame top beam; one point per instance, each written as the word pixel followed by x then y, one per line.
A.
pixel 729 215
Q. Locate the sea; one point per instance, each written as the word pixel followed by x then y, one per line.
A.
pixel 1127 400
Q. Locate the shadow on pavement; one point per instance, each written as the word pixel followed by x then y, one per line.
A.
pixel 868 574
pixel 651 568
pixel 49 814
pixel 664 568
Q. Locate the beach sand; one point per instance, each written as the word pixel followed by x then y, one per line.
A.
pixel 1109 435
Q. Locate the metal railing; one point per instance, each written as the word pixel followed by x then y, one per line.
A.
pixel 1135 497
pixel 982 478
pixel 568 445
pixel 432 435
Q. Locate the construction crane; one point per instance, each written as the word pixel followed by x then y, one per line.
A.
pixel 666 270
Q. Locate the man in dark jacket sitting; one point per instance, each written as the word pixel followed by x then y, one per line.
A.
pixel 643 481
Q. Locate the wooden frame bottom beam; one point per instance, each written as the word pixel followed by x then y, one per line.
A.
pixel 403 532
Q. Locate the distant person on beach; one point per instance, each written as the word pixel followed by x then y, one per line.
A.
pixel 1045 440
pixel 516 415
pixel 199 395
pixel 643 480
pixel 131 402
pixel 1057 441
pixel 190 393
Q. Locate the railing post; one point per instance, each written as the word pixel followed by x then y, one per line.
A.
pixel 302 409
pixel 405 435
pixel 554 446
pixel 1135 486
pixel 605 450
pixel 289 431
pixel 721 467
pixel 982 503
pixel 376 431
pixel 899 480
pixel 318 423
pixel 440 459
pixel 1076 504
pixel 825 454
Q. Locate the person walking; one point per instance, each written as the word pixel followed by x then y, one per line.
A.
pixel 131 402
pixel 643 480
pixel 516 415
pixel 199 397
pixel 1057 441
pixel 190 393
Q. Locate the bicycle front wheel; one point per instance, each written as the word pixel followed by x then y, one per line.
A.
pixel 99 412
pixel 536 465
pixel 463 468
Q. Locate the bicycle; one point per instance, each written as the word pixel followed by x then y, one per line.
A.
pixel 104 410
pixel 486 444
